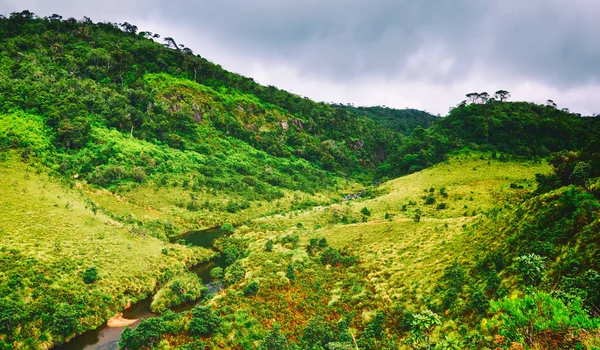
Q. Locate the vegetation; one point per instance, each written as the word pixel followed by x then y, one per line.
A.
pixel 112 146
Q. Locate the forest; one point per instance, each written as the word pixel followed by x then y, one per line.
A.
pixel 340 227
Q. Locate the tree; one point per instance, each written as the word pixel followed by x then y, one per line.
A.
pixel 275 340
pixel 423 324
pixel 550 103
pixel 90 275
pixel 484 97
pixel 531 267
pixel 129 28
pixel 216 273
pixel 290 274
pixel 473 97
pixel 204 321
pixel 501 95
pixel 269 246
pixel 417 217
pixel 581 174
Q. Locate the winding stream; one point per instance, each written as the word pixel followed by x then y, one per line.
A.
pixel 107 338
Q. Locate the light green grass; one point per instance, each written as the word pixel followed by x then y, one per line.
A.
pixel 403 258
pixel 52 226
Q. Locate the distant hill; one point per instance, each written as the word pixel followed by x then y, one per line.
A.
pixel 519 129
pixel 399 120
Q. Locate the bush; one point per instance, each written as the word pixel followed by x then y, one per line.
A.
pixel 234 273
pixel 204 321
pixel 251 288
pixel 180 290
pixel 275 340
pixel 430 200
pixel 540 320
pixel 90 275
pixel 442 206
pixel 531 268
pixel 365 211
pixel 269 246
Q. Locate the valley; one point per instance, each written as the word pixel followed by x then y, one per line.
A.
pixel 143 180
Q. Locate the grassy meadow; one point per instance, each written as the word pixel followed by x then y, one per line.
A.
pixel 50 236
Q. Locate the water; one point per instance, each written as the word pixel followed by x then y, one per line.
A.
pixel 106 338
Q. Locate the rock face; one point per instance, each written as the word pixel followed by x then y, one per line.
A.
pixel 118 321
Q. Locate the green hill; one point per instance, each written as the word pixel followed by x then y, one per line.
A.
pixel 113 146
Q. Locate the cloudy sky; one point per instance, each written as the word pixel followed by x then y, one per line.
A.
pixel 424 54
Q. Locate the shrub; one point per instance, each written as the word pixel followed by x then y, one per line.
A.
pixel 251 288
pixel 234 273
pixel 204 321
pixel 275 340
pixel 90 275
pixel 269 246
pixel 365 211
pixel 541 320
pixel 531 268
pixel 290 273
pixel 442 206
pixel 430 200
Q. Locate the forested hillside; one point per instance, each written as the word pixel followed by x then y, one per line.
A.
pixel 339 227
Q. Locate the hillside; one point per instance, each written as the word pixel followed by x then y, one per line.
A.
pixel 482 234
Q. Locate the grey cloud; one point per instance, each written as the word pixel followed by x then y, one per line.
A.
pixel 553 41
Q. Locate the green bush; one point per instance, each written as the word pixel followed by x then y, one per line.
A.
pixel 251 288
pixel 90 275
pixel 541 320
pixel 204 321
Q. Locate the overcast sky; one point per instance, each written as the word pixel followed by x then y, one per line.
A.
pixel 424 54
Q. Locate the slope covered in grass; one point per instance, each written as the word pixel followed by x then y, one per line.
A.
pixel 65 268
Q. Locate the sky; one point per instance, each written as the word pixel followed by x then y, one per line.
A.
pixel 424 54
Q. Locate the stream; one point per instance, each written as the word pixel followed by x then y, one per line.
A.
pixel 106 338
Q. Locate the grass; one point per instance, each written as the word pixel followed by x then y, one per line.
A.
pixel 46 224
pixel 400 260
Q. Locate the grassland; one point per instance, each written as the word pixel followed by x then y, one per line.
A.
pixel 49 237
pixel 400 261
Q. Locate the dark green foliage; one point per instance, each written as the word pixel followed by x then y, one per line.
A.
pixel 217 273
pixel 531 268
pixel 228 228
pixel 149 332
pixel 584 287
pixel 478 302
pixel 290 241
pixel 516 128
pixel 234 273
pixel 269 246
pixel 400 120
pixel 331 256
pixel 365 211
pixel 290 273
pixel 417 217
pixel 90 275
pixel 316 245
pixel 204 321
pixel 251 288
pixel 275 340
pixel 372 333
pixel 441 206
pixel 451 285
pixel 317 333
